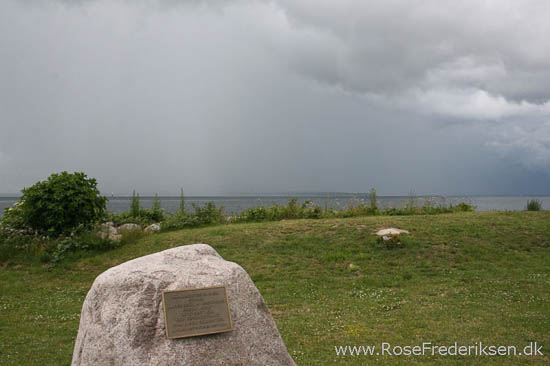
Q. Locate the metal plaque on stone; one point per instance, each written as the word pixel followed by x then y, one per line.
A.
pixel 195 312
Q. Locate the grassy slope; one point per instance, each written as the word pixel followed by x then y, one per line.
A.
pixel 466 277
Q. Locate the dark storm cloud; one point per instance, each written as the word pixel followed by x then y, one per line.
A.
pixel 260 96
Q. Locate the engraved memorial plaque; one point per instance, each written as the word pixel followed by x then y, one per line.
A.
pixel 193 312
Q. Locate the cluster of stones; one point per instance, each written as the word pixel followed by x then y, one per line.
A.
pixel 108 230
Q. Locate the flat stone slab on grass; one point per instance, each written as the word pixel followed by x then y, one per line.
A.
pixel 122 321
pixel 391 231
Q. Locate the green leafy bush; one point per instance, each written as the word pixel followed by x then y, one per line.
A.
pixel 534 205
pixel 151 216
pixel 59 248
pixel 282 212
pixel 13 241
pixel 139 215
pixel 209 214
pixel 145 217
pixel 205 215
pixel 462 207
pixel 314 213
pixel 61 203
pixel 13 219
pixel 180 221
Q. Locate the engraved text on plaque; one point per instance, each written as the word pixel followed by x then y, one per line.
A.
pixel 196 312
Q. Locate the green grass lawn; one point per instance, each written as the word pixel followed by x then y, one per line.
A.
pixel 465 278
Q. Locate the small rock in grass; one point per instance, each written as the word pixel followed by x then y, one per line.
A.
pixel 152 228
pixel 129 227
pixel 391 231
pixel 108 232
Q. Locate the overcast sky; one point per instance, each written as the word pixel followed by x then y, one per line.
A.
pixel 439 97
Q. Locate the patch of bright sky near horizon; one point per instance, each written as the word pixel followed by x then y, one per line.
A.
pixel 220 97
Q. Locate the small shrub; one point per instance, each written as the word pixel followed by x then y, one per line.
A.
pixel 254 214
pixel 291 209
pixel 13 218
pixel 156 204
pixel 61 203
pixel 48 249
pixel 372 199
pixel 138 215
pixel 428 207
pixel 135 207
pixel 182 203
pixel 411 207
pixel 144 218
pixel 88 241
pixel 314 213
pixel 208 214
pixel 282 212
pixel 463 207
pixel 179 221
pixel 150 216
pixel 13 241
pixel 534 205
pixel 392 211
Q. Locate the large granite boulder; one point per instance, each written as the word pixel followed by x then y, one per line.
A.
pixel 122 320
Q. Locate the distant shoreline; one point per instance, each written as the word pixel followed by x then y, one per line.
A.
pixel 236 204
pixel 7 196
